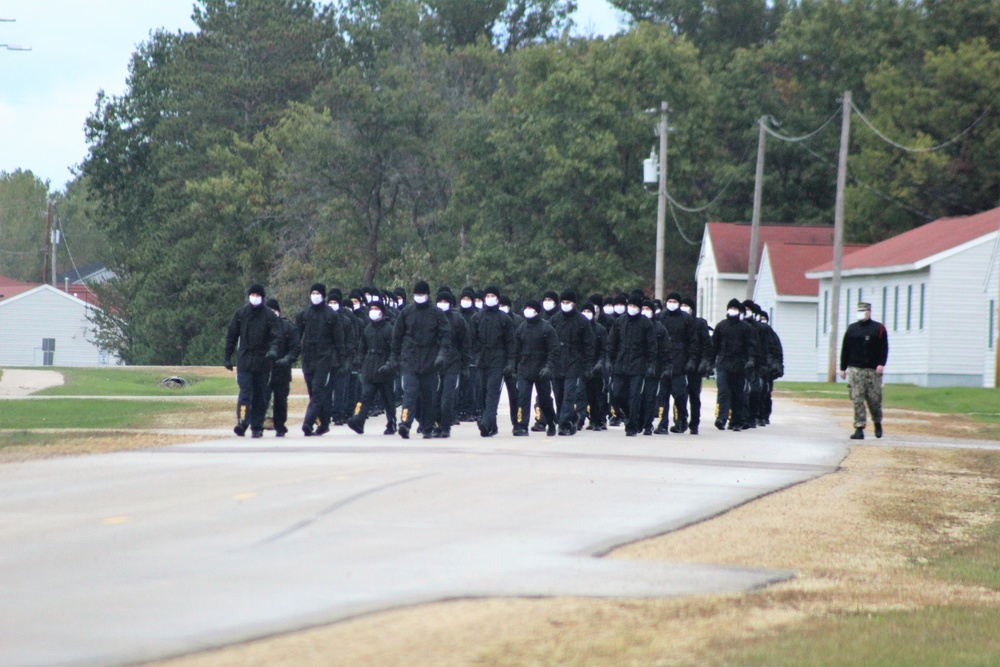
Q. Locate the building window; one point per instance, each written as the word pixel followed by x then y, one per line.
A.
pixel 909 305
pixel 895 309
pixel 992 330
pixel 923 295
pixel 48 351
pixel 826 309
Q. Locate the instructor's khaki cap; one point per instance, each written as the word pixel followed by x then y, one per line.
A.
pixel 864 305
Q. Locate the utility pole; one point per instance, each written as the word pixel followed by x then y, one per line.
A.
pixel 661 208
pixel 48 245
pixel 54 241
pixel 758 187
pixel 838 237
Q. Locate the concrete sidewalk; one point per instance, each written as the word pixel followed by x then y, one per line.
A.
pixel 122 558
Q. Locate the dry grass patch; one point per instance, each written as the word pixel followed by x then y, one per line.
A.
pixel 21 447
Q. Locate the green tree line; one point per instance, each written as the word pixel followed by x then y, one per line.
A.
pixel 466 142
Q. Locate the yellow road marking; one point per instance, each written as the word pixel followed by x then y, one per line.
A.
pixel 116 520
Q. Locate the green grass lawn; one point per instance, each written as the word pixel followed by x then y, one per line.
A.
pixel 138 382
pixel 83 413
pixel 976 403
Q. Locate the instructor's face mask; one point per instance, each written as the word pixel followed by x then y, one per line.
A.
pixel 491 301
pixel 444 306
pixel 863 315
pixel 466 303
pixel 256 300
pixel 420 298
pixel 375 314
pixel 633 310
pixel 316 299
pixel 619 309
pixel 566 307
pixel 732 312
pixel 530 313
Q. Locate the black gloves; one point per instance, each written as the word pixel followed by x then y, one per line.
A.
pixel 690 366
pixel 228 365
pixel 667 373
pixel 650 372
pixel 705 368
pixel 284 361
pixel 748 367
pixel 440 363
pixel 508 370
pixel 545 373
pixel 271 355
pixel 384 373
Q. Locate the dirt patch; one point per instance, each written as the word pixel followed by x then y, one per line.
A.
pixel 18 382
pixel 857 540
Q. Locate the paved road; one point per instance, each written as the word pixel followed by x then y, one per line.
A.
pixel 121 558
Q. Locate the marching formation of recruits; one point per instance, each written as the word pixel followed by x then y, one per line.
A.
pixel 608 361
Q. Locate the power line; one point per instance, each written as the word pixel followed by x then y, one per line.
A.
pixel 677 224
pixel 911 149
pixel 804 137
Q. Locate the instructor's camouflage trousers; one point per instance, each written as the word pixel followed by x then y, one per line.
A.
pixel 865 386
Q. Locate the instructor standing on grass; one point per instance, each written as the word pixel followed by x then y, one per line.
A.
pixel 864 352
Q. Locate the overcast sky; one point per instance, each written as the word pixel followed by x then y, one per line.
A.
pixel 79 47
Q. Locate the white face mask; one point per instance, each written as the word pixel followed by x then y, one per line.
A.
pixel 479 304
pixel 399 304
pixel 566 307
pixel 633 310
pixel 256 300
pixel 420 298
pixel 356 305
pixel 505 309
pixel 334 306
pixel 647 313
pixel 672 306
pixel 608 309
pixel 491 301
pixel 686 309
pixel 732 312
pixel 589 315
pixel 548 304
pixel 466 303
pixel 863 315
pixel 444 306
pixel 375 314
pixel 316 299
pixel 530 313
pixel 619 309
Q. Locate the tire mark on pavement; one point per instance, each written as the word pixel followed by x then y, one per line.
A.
pixel 305 523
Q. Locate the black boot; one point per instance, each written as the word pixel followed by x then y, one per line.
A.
pixel 859 434
pixel 878 429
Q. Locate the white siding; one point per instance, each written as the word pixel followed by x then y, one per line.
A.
pixel 795 324
pixel 960 332
pixel 990 291
pixel 44 312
